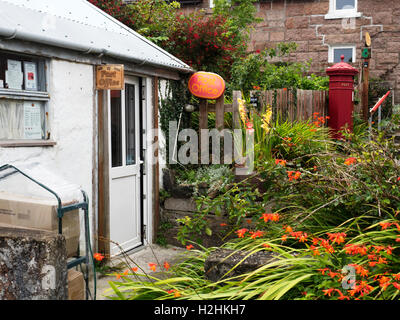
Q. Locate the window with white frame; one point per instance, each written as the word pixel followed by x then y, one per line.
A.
pixel 23 97
pixel 336 51
pixel 342 9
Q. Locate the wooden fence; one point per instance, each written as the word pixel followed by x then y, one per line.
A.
pixel 286 104
pixel 294 104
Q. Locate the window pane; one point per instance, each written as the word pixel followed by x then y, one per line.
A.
pixel 130 123
pixel 116 129
pixel 21 119
pixel 347 52
pixel 345 4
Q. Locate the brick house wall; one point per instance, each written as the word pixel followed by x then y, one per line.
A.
pixel 305 22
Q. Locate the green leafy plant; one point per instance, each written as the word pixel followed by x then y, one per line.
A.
pixel 256 70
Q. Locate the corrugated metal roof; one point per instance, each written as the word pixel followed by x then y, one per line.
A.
pixel 79 25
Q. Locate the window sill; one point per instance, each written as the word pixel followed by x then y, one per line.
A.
pixel 342 15
pixel 23 95
pixel 27 143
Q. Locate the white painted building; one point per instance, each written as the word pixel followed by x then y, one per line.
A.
pixel 51 112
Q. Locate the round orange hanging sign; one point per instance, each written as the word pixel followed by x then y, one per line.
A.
pixel 206 85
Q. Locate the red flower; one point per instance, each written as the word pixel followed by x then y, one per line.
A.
pixel 241 232
pixel 152 266
pixel 396 285
pixel 337 237
pixel 280 162
pixel 189 247
pixel 350 161
pixel 256 234
pixel 270 216
pixel 328 291
pixel 296 175
pixel 98 257
pixel 385 225
pixel 166 265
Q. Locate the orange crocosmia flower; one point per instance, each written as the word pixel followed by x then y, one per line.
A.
pixel 98 257
pixel 385 225
pixel 288 229
pixel 189 247
pixel 323 270
pixel 270 216
pixel 384 282
pixel 398 239
pixel 315 241
pixel 280 162
pixel 382 260
pixel 350 161
pixel 134 269
pixel 152 266
pixel 389 250
pixel 166 265
pixel 266 245
pixel 256 234
pixel 396 285
pixel 315 251
pixel 396 276
pixel 360 270
pixel 223 224
pixel 284 237
pixel 303 237
pixel 241 232
pixel 337 237
pixel 118 276
pixel 328 291
pixel 126 272
pixel 378 248
pixel 248 221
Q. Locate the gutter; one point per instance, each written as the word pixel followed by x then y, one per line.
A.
pixel 14 33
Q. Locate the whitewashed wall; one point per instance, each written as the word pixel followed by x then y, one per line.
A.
pixel 71 106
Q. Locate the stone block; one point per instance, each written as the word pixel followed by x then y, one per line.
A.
pixel 299 22
pixel 175 204
pixel 220 262
pixel 383 17
pixel 301 34
pixel 277 36
pixel 314 8
pixel 33 265
pixel 387 58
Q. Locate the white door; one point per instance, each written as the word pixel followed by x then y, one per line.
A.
pixel 124 146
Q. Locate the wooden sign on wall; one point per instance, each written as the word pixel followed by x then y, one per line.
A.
pixel 110 77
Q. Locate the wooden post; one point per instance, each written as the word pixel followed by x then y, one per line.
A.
pixel 237 154
pixel 103 226
pixel 203 124
pixel 156 166
pixel 219 113
pixel 364 98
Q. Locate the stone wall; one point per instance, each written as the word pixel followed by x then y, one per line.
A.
pixel 304 22
pixel 178 208
pixel 33 265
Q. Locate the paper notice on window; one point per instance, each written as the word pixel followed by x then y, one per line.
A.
pixel 14 75
pixel 30 75
pixel 32 120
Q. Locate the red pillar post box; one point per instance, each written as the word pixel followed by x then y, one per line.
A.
pixel 341 89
